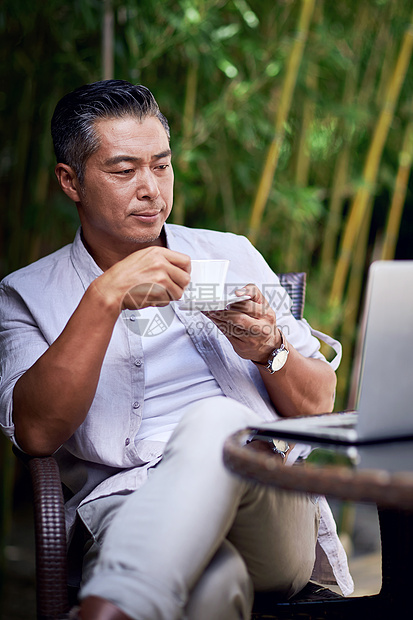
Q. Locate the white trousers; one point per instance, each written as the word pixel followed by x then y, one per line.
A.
pixel 195 541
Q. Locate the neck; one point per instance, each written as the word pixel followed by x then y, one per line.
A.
pixel 105 256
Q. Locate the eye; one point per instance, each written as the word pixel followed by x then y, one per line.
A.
pixel 124 172
pixel 162 166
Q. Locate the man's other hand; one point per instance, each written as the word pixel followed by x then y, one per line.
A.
pixel 250 326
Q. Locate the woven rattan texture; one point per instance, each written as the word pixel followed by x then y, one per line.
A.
pixel 51 562
pixel 295 283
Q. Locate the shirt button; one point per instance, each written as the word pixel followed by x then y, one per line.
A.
pixel 127 441
pixel 132 317
pixel 138 363
pixel 136 405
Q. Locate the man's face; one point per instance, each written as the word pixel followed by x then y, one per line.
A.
pixel 127 191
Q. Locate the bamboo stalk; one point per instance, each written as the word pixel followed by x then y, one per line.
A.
pixel 270 166
pixel 399 195
pixel 338 191
pixel 302 166
pixel 352 305
pixel 107 41
pixel 187 133
pixel 341 168
pixel 360 202
pixel 40 184
pixel 226 190
pixel 16 200
pixel 389 57
pixel 375 61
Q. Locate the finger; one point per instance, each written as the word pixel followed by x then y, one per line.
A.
pixel 236 321
pixel 180 277
pixel 240 329
pixel 144 295
pixel 156 295
pixel 252 290
pixel 232 332
pixel 257 304
pixel 249 307
pixel 178 259
pixel 173 277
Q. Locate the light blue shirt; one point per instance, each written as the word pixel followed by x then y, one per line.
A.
pixel 37 301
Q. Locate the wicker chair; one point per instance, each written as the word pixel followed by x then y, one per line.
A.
pixel 53 599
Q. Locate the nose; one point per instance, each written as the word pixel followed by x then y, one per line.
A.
pixel 147 188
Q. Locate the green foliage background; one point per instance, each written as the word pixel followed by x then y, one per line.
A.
pixel 219 69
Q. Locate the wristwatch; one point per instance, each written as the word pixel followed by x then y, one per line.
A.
pixel 277 358
pixel 278 446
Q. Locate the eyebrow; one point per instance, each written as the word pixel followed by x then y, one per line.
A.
pixel 117 159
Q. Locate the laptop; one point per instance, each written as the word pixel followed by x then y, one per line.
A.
pixel 384 409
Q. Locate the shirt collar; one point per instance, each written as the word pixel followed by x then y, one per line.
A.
pixel 83 262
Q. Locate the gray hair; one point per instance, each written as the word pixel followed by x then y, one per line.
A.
pixel 73 124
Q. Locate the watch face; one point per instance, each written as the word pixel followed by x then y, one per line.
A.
pixel 280 444
pixel 279 360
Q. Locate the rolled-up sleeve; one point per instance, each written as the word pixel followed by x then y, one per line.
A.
pixel 21 345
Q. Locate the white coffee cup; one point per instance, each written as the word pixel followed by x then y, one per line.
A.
pixel 208 279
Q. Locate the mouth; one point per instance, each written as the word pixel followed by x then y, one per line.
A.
pixel 147 216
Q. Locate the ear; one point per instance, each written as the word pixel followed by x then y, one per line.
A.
pixel 68 181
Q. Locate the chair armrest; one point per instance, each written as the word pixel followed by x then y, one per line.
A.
pixel 295 285
pixel 50 539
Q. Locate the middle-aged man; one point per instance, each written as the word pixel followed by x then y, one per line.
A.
pixel 135 396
